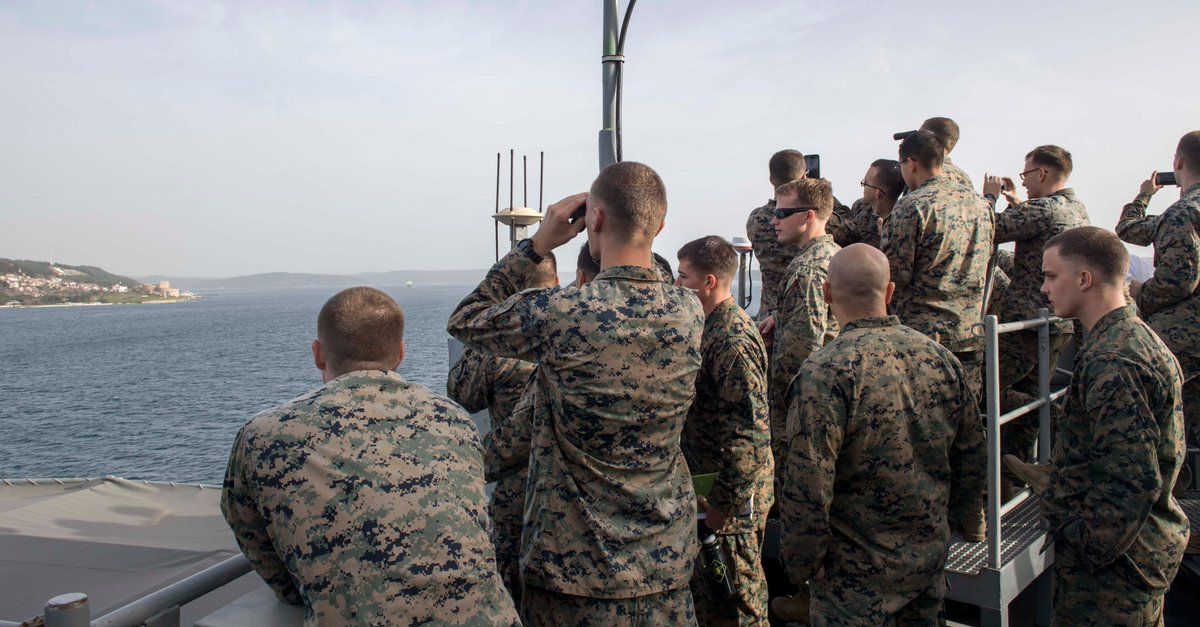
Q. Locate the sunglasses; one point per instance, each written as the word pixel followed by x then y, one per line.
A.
pixel 783 213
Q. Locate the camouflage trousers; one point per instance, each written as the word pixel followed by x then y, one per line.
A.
pixel 1102 597
pixel 545 608
pixel 1019 385
pixel 743 552
pixel 835 603
pixel 1191 413
pixel 507 509
pixel 972 363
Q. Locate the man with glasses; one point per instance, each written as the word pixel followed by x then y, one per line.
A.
pixel 882 186
pixel 938 241
pixel 1051 209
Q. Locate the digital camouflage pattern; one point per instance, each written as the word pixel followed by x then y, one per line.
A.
pixel 938 240
pixel 803 324
pixel 363 500
pixel 773 257
pixel 858 225
pixel 479 381
pixel 612 512
pixel 1117 455
pixel 886 453
pixel 728 432
pixel 544 607
pixel 956 175
pixel 1030 225
pixel 1134 226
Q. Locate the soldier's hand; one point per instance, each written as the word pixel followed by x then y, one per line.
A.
pixel 766 328
pixel 713 518
pixel 556 228
pixel 992 185
pixel 1150 185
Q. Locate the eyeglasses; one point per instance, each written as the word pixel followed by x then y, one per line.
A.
pixel 1027 172
pixel 864 183
pixel 783 213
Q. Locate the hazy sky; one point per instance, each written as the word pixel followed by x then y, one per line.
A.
pixel 221 138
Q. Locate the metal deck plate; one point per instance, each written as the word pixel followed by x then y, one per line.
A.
pixel 1191 506
pixel 1020 528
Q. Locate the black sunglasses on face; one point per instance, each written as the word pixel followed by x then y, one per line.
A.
pixel 783 213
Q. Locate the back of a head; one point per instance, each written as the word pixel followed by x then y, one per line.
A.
pixel 1189 149
pixel 586 265
pixel 1096 249
pixel 711 255
pixel 945 129
pixel 546 272
pixel 361 328
pixel 815 193
pixel 925 148
pixel 786 165
pixel 858 277
pixel 1055 159
pixel 634 199
pixel 889 178
pixel 664 267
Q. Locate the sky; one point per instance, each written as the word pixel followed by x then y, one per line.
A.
pixel 192 138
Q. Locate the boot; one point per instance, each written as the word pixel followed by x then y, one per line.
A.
pixel 973 527
pixel 1036 476
pixel 793 608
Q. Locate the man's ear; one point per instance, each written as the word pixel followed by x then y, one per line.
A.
pixel 710 282
pixel 826 293
pixel 888 293
pixel 598 219
pixel 660 227
pixel 318 353
pixel 400 357
pixel 1086 280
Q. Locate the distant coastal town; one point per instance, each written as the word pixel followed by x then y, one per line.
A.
pixel 36 283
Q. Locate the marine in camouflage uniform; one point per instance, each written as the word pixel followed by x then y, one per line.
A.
pixel 956 175
pixel 364 501
pixel 480 381
pixel 858 225
pixel 938 240
pixel 1170 300
pixel 803 324
pixel 886 452
pixel 1120 535
pixel 774 257
pixel 609 521
pixel 1030 224
pixel 728 433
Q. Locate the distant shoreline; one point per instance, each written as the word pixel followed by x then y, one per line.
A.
pixel 147 302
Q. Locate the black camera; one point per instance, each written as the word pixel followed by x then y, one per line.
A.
pixel 1165 178
pixel 812 163
pixel 903 135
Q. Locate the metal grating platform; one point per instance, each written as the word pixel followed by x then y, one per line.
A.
pixel 1191 506
pixel 1021 527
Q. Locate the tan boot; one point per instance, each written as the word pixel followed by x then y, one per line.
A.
pixel 974 527
pixel 1034 475
pixel 793 608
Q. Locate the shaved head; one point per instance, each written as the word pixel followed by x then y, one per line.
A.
pixel 858 280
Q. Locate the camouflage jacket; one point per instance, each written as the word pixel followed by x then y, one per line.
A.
pixel 859 225
pixel 1135 227
pixel 1170 300
pixel 886 450
pixel 938 240
pixel 611 514
pixel 1031 224
pixel 803 322
pixel 728 428
pixel 774 257
pixel 1118 452
pixel 363 500
pixel 956 175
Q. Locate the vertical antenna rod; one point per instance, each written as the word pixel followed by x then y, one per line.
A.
pixel 610 62
pixel 511 162
pixel 524 180
pixel 541 177
pixel 495 223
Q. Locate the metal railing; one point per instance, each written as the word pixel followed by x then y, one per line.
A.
pixel 992 329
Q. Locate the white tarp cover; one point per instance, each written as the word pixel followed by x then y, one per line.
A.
pixel 113 539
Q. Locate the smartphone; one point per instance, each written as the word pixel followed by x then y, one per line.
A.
pixel 812 163
pixel 902 135
pixel 1165 178
pixel 578 213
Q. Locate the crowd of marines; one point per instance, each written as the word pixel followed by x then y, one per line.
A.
pixel 848 409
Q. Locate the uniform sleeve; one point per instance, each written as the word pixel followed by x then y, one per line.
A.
pixel 899 242
pixel 817 420
pixel 1177 264
pixel 968 457
pixel 746 434
pixel 1123 471
pixel 1134 226
pixel 499 318
pixel 801 320
pixel 469 382
pixel 506 447
pixel 1024 221
pixel 250 529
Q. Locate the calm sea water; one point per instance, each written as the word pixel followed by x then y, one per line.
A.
pixel 159 391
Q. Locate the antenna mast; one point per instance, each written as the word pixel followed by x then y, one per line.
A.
pixel 517 219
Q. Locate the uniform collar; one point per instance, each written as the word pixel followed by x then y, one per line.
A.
pixel 812 242
pixel 723 310
pixel 367 374
pixel 1112 318
pixel 1191 190
pixel 872 321
pixel 931 181
pixel 630 273
pixel 1065 192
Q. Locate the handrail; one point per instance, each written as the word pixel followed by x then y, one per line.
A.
pixel 176 594
pixel 69 480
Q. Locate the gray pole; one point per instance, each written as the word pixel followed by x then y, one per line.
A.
pixel 608 75
pixel 68 610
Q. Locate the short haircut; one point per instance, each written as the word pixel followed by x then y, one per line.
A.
pixel 586 264
pixel 1099 250
pixel 546 272
pixel 787 165
pixel 816 193
pixel 1052 158
pixel 888 176
pixel 710 255
pixel 924 147
pixel 945 129
pixel 360 328
pixel 664 267
pixel 1189 148
pixel 633 197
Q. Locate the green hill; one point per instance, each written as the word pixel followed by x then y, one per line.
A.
pixel 81 274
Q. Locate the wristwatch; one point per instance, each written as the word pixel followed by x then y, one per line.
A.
pixel 526 246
